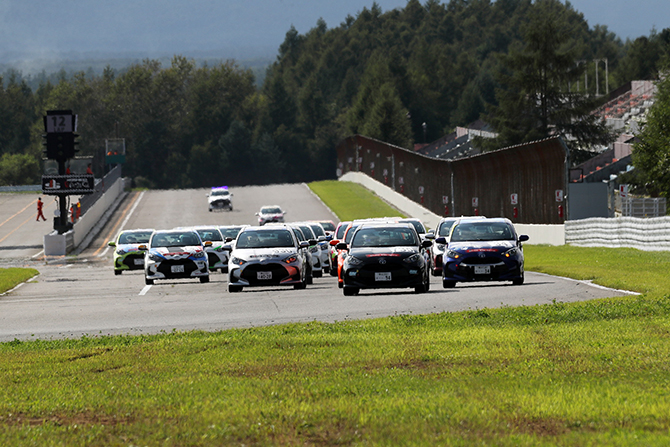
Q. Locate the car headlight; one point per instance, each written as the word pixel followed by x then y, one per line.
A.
pixel 291 259
pixel 353 260
pixel 153 257
pixel 453 254
pixel 416 257
pixel 199 254
pixel 237 261
pixel 120 251
pixel 511 252
pixel 439 247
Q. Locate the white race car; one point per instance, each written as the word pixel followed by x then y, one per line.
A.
pixel 176 254
pixel 267 256
pixel 219 198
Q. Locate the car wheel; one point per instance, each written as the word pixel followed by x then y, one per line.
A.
pixel 300 286
pixel 317 274
pixel 210 210
pixel 447 284
pixel 518 281
pixel 350 291
pixel 117 272
pixel 148 281
pixel 204 279
pixel 435 271
pixel 333 272
pixel 309 280
pixel 339 285
pixel 233 289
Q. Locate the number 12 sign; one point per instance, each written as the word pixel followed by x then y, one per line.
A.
pixel 60 122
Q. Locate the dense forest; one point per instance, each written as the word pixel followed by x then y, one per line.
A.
pixel 404 76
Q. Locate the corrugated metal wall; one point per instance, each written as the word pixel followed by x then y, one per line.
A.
pixel 483 184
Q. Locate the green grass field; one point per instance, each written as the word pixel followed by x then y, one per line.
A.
pixel 591 373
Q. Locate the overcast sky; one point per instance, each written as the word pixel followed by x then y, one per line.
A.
pixel 31 28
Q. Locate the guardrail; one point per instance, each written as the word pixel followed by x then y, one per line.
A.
pixel 652 234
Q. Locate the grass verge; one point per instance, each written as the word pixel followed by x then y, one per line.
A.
pixel 351 201
pixel 590 373
pixel 12 277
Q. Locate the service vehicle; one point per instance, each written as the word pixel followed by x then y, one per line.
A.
pixel 176 254
pixel 267 256
pixel 482 250
pixel 219 198
pixel 385 255
pixel 127 252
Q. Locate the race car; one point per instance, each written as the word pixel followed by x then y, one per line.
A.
pixel 127 252
pixel 220 198
pixel 217 257
pixel 267 256
pixel 272 213
pixel 176 254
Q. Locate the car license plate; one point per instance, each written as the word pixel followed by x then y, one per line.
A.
pixel 482 269
pixel 382 276
pixel 139 261
pixel 263 275
pixel 177 269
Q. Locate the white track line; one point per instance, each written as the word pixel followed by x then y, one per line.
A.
pixel 125 221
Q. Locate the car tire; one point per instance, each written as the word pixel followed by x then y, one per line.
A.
pixel 339 285
pixel 350 291
pixel 333 272
pixel 435 271
pixel 148 281
pixel 317 273
pixel 518 281
pixel 204 279
pixel 300 286
pixel 234 289
pixel 447 284
pixel 309 280
pixel 117 272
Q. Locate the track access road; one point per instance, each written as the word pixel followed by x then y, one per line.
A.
pixel 80 296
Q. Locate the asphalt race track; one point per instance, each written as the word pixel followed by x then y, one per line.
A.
pixel 76 296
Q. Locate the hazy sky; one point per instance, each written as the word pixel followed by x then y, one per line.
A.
pixel 252 27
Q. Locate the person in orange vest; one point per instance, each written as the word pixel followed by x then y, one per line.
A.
pixel 89 170
pixel 72 213
pixel 78 209
pixel 40 205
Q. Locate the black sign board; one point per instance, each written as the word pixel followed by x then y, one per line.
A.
pixel 71 184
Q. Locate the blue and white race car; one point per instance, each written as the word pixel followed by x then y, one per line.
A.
pixel 176 254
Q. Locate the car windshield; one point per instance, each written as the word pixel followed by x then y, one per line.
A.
pixel 318 230
pixel 307 231
pixel 210 234
pixel 384 237
pixel 298 234
pixel 230 232
pixel 174 239
pixel 482 231
pixel 270 210
pixel 445 227
pixel 340 230
pixel 265 239
pixel 350 233
pixel 135 237
pixel 328 226
pixel 418 226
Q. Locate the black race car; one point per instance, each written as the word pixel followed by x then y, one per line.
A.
pixel 385 255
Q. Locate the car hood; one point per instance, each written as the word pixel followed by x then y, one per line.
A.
pixel 371 252
pixel 263 253
pixel 481 246
pixel 176 252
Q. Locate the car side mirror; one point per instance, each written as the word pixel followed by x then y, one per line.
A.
pixel 322 238
pixel 112 244
pixel 441 240
pixel 208 243
pixel 229 239
pixel 143 247
pixel 341 246
pixel 312 241
pixel 523 238
pixel 429 236
pixel 257 214
pixel 426 244
pixel 227 247
pixel 304 244
pixel 334 242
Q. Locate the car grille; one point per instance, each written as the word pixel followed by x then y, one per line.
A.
pixel 165 267
pixel 250 274
pixel 129 261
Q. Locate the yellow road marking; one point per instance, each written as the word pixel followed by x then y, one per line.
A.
pixel 116 225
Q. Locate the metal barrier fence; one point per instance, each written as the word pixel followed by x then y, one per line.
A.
pixel 521 182
pixel 643 207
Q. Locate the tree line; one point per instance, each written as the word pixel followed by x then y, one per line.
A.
pixel 405 76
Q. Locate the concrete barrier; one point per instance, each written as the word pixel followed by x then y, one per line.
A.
pixel 651 234
pixel 539 234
